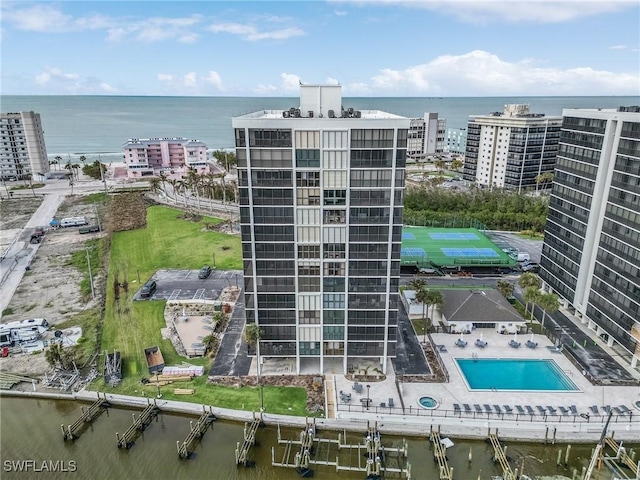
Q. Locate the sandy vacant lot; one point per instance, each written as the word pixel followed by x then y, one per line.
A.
pixel 50 289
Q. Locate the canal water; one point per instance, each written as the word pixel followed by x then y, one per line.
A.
pixel 30 430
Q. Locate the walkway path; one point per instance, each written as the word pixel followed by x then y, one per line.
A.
pixel 232 358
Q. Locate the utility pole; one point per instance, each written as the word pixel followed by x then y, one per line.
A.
pixel 93 293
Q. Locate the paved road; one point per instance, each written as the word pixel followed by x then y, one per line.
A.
pixel 18 257
pixel 595 361
pixel 410 358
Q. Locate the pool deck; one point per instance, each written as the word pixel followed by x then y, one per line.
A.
pixel 533 427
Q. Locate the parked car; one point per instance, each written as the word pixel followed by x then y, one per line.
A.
pixel 531 267
pixel 204 272
pixel 148 289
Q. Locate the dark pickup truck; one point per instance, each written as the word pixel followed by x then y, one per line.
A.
pixel 89 229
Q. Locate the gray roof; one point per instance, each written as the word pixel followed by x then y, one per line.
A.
pixel 478 306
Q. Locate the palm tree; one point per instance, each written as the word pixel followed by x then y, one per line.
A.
pixel 417 284
pixel 548 302
pixel 423 296
pixel 154 184
pixel 58 160
pixel 457 164
pixel 543 178
pixel 83 159
pixel 527 280
pixel 252 335
pixel 436 300
pixel 505 288
pixel 440 165
pixel 530 295
pixel 163 179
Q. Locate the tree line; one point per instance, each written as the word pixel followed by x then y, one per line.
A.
pixel 496 209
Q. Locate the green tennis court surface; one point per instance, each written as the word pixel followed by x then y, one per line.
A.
pixel 463 247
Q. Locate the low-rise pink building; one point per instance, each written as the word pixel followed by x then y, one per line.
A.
pixel 173 156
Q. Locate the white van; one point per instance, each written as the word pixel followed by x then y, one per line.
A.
pixel 523 257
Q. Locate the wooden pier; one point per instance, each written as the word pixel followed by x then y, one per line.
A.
pixel 622 457
pixel 500 456
pixel 371 457
pixel 440 454
pixel 74 430
pixel 249 440
pixel 139 424
pixel 186 449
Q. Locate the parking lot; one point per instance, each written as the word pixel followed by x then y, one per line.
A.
pixel 185 284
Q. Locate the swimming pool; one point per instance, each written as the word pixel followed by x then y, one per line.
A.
pixel 514 374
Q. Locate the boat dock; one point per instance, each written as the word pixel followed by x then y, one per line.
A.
pixel 185 450
pixel 440 455
pixel 74 430
pixel 622 458
pixel 242 451
pixel 139 424
pixel 369 457
pixel 500 456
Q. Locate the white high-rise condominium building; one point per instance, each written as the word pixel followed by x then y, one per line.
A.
pixel 510 149
pixel 22 147
pixel 321 203
pixel 591 250
pixel 426 137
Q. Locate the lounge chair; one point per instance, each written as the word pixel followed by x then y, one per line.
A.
pixel 456 408
pixel 555 348
pixel 497 408
pixel 507 409
pixel 391 404
pixel 594 409
pixel 467 407
pixel 624 409
pixel 573 409
pixel 520 409
pixel 607 409
pixel 487 408
pixel 357 387
pixel 514 344
pixel 481 343
pixel 477 407
pixel 541 410
pixel 616 410
pixel 441 348
pixel 531 344
pixel 529 410
pixel 564 410
pixel 552 411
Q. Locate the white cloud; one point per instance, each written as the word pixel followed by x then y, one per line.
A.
pixel 156 29
pixel 191 83
pixel 251 33
pixel 44 18
pixel 54 80
pixel 618 47
pixel 290 82
pixel 480 73
pixel 492 11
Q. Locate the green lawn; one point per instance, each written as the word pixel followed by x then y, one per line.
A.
pixel 171 242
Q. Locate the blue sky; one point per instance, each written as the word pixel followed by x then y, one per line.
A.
pixel 371 47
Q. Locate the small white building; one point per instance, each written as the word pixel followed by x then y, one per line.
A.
pixel 463 311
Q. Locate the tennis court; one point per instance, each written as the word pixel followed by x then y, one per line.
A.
pixel 450 247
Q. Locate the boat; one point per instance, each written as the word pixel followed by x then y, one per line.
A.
pixel 155 361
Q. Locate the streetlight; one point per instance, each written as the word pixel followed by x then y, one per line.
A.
pixel 368 398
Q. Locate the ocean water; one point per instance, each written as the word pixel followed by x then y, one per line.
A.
pixel 97 126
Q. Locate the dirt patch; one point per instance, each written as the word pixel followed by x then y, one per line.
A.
pixel 50 288
pixel 127 211
pixel 15 213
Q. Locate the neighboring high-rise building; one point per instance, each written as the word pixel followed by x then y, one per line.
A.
pixel 591 250
pixel 456 140
pixel 510 149
pixel 23 150
pixel 321 203
pixel 150 156
pixel 426 137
